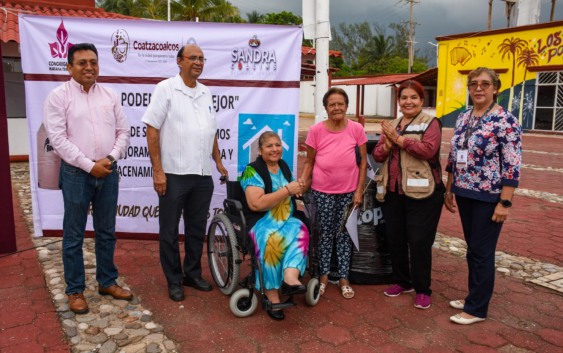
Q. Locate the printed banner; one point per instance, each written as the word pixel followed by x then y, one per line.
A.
pixel 252 71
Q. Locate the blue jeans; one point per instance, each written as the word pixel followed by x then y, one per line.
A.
pixel 79 190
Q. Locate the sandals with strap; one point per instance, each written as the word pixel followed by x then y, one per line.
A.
pixel 322 289
pixel 346 290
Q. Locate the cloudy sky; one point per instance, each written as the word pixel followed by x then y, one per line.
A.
pixel 436 17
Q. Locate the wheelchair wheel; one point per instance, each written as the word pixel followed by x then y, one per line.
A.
pixel 313 292
pixel 241 305
pixel 222 254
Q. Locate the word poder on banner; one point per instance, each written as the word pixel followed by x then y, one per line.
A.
pixel 252 71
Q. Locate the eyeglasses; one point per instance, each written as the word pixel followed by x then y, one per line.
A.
pixel 194 59
pixel 484 85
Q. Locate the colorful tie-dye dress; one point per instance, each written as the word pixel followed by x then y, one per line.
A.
pixel 281 240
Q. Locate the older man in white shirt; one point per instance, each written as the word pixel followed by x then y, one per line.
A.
pixel 181 134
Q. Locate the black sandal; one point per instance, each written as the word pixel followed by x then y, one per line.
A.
pixel 288 290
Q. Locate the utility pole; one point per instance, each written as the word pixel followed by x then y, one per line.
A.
pixel 552 9
pixel 490 14
pixel 410 41
pixel 510 7
pixel 168 10
pixel 437 52
pixel 322 35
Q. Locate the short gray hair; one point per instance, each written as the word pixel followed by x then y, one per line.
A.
pixel 494 78
pixel 266 135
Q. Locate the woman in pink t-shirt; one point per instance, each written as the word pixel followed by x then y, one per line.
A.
pixel 337 181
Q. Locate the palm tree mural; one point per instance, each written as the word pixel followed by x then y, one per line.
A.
pixel 528 58
pixel 511 48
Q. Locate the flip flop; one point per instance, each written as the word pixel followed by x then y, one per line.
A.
pixel 322 290
pixel 346 290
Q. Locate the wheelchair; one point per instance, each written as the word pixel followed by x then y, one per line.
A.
pixel 229 244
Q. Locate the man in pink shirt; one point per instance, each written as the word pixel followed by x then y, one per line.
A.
pixel 88 130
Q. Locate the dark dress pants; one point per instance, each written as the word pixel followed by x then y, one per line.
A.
pixel 411 225
pixel 190 194
pixel 481 235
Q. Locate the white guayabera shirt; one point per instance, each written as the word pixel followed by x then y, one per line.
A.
pixel 187 125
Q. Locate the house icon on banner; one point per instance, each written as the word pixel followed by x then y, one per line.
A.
pixel 252 144
pixel 251 126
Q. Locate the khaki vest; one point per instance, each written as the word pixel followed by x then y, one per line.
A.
pixel 417 178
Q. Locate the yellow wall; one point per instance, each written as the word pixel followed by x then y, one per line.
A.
pixel 512 51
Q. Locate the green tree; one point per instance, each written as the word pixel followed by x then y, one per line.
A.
pixel 255 17
pixel 282 18
pixel 378 49
pixel 350 40
pixel 204 10
pixel 154 9
pixel 401 48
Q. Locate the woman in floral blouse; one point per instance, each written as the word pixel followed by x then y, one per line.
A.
pixel 483 173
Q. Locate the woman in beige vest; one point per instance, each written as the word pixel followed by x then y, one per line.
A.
pixel 411 191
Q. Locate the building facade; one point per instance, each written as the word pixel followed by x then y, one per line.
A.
pixel 529 60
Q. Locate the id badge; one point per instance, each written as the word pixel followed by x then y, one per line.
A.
pixel 462 158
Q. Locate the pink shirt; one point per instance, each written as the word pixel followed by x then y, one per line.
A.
pixel 85 127
pixel 335 170
pixel 425 149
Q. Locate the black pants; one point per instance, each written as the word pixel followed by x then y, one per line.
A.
pixel 481 234
pixel 411 225
pixel 192 195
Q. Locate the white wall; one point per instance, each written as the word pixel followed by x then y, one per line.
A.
pixel 429 111
pixel 379 99
pixel 17 137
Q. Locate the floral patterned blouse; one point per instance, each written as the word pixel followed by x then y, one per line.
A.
pixel 494 155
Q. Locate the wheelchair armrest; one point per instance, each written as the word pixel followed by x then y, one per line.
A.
pixel 304 198
pixel 232 202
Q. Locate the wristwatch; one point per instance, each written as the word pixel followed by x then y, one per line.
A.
pixel 505 203
pixel 112 160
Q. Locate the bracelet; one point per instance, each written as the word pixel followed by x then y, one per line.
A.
pixel 447 193
pixel 397 140
pixel 285 186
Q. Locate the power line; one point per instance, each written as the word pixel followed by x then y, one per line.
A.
pixel 382 11
pixel 395 14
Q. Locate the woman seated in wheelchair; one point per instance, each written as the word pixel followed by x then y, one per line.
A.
pixel 281 240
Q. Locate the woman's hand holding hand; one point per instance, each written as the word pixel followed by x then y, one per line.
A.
pixel 295 188
pixel 449 201
pixel 501 213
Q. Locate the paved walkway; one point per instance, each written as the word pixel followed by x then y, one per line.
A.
pixel 28 321
pixel 523 317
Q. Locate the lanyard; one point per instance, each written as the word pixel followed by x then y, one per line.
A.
pixel 468 131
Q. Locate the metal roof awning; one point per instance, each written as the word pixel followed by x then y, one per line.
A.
pixel 377 80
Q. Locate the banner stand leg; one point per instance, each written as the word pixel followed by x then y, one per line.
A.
pixel 8 233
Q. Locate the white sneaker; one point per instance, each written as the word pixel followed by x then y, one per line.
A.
pixel 458 319
pixel 457 304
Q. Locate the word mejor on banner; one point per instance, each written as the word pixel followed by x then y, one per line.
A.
pixel 252 72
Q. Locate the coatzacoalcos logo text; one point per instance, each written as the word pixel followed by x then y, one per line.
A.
pixel 262 59
pixel 155 46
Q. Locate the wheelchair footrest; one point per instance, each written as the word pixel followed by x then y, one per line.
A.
pixel 267 305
